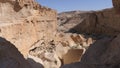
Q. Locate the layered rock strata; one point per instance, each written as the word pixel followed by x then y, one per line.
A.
pixel 24 22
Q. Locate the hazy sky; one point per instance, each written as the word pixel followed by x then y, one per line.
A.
pixel 69 5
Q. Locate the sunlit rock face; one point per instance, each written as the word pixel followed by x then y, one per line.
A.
pixel 24 22
pixel 32 29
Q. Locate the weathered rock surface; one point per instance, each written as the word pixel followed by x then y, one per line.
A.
pixel 104 52
pixel 58 52
pixel 32 31
pixel 25 23
pixel 99 55
pixel 93 22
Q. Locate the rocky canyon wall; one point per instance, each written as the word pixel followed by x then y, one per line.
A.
pixel 24 22
pixel 104 22
pixel 92 22
pixel 31 30
pixel 104 52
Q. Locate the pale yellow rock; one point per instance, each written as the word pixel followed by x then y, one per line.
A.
pixel 23 24
pixel 89 41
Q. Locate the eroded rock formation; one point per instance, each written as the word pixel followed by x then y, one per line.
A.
pixel 24 23
pixel 104 52
pixel 104 22
pixel 93 22
pixel 36 42
pixel 27 25
pixel 32 29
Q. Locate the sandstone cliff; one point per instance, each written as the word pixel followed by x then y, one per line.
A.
pixel 32 29
pixel 34 39
pixel 24 22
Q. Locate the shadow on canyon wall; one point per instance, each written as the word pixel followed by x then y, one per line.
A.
pixel 10 57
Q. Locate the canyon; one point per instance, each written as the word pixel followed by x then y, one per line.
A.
pixel 34 36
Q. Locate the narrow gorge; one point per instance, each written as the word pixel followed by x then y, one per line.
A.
pixel 34 36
